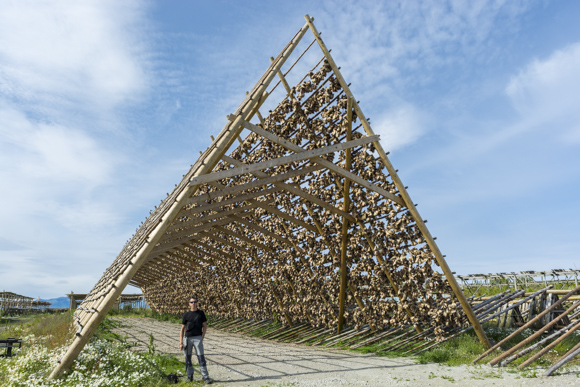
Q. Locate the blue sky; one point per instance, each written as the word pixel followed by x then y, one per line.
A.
pixel 105 104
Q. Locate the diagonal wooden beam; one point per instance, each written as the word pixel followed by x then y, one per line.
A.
pixel 186 257
pixel 212 255
pixel 244 238
pixel 214 250
pixel 295 190
pixel 327 164
pixel 206 218
pixel 265 205
pixel 174 263
pixel 284 82
pixel 290 218
pixel 195 234
pixel 333 252
pixel 301 156
pixel 211 234
pixel 261 230
pixel 378 253
pixel 234 200
pixel 145 276
pixel 253 184
pixel 194 253
pixel 171 262
pixel 157 270
pixel 308 269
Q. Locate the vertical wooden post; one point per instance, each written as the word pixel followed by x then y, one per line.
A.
pixel 71 300
pixel 281 306
pixel 345 208
pixel 404 195
pixel 308 269
pixel 385 268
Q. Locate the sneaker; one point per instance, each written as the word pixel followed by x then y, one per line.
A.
pixel 190 378
pixel 208 381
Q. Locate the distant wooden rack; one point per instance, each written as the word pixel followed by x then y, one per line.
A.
pixel 561 279
pixel 17 303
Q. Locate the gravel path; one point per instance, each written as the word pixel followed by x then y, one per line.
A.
pixel 235 360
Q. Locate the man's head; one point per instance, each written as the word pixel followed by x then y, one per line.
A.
pixel 193 303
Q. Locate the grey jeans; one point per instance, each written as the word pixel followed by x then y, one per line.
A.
pixel 190 343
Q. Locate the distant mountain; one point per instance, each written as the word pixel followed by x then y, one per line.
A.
pixel 58 303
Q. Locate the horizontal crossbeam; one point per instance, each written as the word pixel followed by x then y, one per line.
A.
pixel 303 155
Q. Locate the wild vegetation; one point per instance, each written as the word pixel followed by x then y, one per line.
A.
pixel 105 361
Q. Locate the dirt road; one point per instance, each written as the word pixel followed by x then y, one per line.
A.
pixel 235 360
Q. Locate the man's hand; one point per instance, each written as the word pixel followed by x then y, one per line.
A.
pixel 181 337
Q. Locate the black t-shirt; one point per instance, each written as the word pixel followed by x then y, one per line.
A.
pixel 193 322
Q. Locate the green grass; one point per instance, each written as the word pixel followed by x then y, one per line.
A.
pixel 270 327
pixel 167 317
pixel 368 348
pixel 54 329
pixel 466 347
pixel 567 344
pixel 460 350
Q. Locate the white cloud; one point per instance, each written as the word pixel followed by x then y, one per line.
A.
pixel 50 151
pixel 63 49
pixel 396 39
pixel 548 91
pixel 400 126
pixel 50 174
pixel 43 276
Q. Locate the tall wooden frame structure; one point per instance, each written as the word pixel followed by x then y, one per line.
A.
pixel 305 219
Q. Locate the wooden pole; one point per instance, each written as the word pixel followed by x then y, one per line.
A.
pixel 531 322
pixel 385 268
pixel 345 208
pixel 539 344
pixel 405 196
pixel 571 354
pixel 538 334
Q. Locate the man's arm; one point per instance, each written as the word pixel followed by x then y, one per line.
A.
pixel 181 336
pixel 203 329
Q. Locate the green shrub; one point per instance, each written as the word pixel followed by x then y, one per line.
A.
pixel 460 350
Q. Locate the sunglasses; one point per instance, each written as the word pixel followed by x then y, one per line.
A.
pixel 193 302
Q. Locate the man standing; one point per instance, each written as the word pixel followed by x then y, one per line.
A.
pixel 193 327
